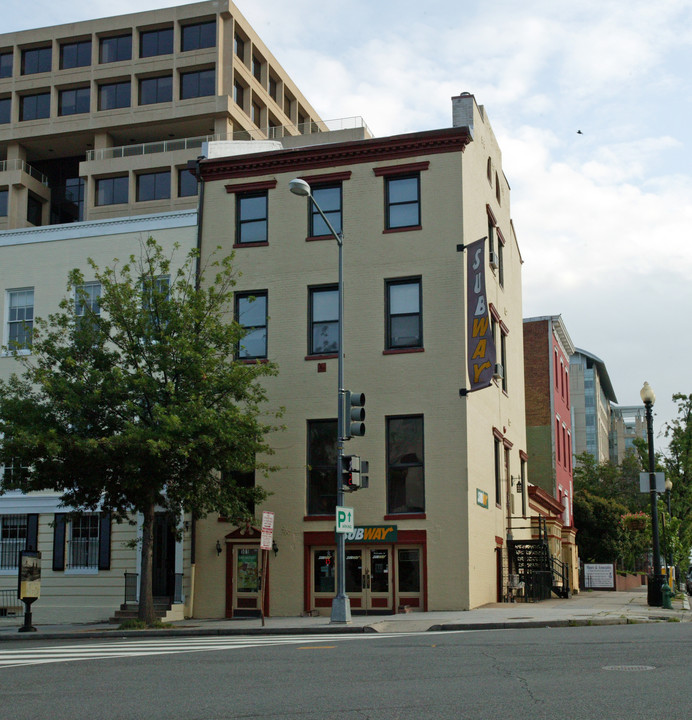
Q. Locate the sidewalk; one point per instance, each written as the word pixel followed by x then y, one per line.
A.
pixel 586 608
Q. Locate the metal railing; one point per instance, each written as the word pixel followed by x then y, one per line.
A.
pixel 131 582
pixel 8 165
pixel 9 603
pixel 272 133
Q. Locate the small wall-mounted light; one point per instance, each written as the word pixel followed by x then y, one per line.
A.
pixel 275 548
pixel 219 549
pixel 186 525
pixel 520 487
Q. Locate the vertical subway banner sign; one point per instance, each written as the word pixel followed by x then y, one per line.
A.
pixel 481 346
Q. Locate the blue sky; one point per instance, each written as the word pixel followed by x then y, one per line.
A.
pixel 602 217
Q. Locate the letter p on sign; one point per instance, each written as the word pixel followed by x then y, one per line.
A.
pixel 344 519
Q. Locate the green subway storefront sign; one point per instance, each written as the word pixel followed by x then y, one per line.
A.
pixel 372 534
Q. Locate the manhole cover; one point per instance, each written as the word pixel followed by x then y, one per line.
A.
pixel 629 668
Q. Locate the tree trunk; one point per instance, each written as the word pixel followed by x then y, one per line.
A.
pixel 146 595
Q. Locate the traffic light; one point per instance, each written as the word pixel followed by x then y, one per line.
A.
pixel 364 479
pixel 355 414
pixel 350 475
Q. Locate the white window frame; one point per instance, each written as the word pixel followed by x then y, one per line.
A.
pixel 8 300
pixel 13 570
pixel 70 541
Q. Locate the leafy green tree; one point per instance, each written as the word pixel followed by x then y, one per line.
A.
pixel 601 536
pixel 678 468
pixel 605 479
pixel 139 404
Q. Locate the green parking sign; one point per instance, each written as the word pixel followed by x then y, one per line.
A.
pixel 344 519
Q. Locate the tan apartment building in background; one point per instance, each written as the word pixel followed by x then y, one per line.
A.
pixel 99 118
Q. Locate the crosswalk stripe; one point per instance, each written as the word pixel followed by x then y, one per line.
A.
pixel 160 646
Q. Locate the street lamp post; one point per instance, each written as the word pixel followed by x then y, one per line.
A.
pixel 654 594
pixel 341 605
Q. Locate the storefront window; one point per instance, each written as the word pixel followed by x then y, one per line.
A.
pixel 409 571
pixel 324 571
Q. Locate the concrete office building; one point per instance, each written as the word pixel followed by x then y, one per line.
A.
pixel 627 422
pixel 99 118
pixel 591 395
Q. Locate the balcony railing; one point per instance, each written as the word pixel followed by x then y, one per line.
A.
pixel 272 133
pixel 8 165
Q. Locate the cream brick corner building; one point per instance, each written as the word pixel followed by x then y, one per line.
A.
pixel 448 470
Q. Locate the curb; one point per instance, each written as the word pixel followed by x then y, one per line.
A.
pixel 339 630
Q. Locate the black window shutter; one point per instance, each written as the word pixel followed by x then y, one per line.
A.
pixel 59 542
pixel 105 542
pixel 32 532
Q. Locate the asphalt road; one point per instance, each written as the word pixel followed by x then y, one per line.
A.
pixel 627 671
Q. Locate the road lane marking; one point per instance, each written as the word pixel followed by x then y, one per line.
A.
pixel 135 647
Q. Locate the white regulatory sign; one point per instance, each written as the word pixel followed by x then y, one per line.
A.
pixel 344 519
pixel 267 530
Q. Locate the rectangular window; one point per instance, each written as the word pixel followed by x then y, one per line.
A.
pixel 37 60
pixel 239 46
pixel 154 186
pixel 13 537
pixel 156 90
pixel 115 95
pixel 198 36
pixel 324 320
pixel 34 210
pixel 201 83
pixel 404 317
pixel 498 472
pixel 273 89
pixel 323 571
pixel 251 313
pixel 257 68
pixel 156 42
pixel 187 183
pixel 4 198
pixel 328 197
pixel 86 299
pixel 76 54
pixel 402 198
pixel 112 191
pixel 255 113
pixel 503 358
pixel 251 217
pixel 321 463
pixel 238 93
pixel 5 65
pixel 500 263
pixel 74 102
pixel 83 552
pixel 524 491
pixel 491 235
pixel 115 49
pixel 34 107
pixel 20 318
pixel 5 110
pixel 405 468
pixel 245 481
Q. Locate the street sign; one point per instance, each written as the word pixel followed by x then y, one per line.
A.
pixel 267 530
pixel 344 519
pixel 644 482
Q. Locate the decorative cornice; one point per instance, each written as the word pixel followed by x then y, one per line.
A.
pixel 432 142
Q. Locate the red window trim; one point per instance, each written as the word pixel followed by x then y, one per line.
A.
pixel 401 229
pixel 251 244
pixel 329 356
pixel 406 516
pixel 403 351
pixel 388 170
pixel 327 177
pixel 251 187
